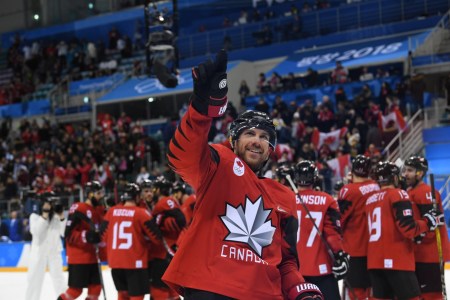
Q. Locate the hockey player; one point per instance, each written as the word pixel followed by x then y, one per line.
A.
pixel 179 192
pixel 124 230
pixel 82 238
pixel 426 250
pixel 46 228
pixel 171 221
pixel 392 228
pixel 146 188
pixel 323 260
pixel 352 202
pixel 242 239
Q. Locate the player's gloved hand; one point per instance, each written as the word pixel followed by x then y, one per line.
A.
pixel 305 291
pixel 418 239
pixel 434 219
pixel 93 237
pixel 210 86
pixel 340 266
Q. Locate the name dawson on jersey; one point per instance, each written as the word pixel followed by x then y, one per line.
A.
pixel 313 199
pixel 123 213
pixel 241 254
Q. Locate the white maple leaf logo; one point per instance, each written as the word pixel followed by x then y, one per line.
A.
pixel 249 225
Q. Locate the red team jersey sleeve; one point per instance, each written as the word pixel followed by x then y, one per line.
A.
pixel 218 253
pixel 426 251
pixel 125 230
pixel 189 153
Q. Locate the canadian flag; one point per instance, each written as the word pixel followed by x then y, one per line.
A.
pixel 281 150
pixel 331 138
pixel 340 165
pixel 393 118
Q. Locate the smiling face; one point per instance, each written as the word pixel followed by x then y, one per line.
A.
pixel 253 147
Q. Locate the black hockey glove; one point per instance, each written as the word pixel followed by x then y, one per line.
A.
pixel 434 219
pixel 210 86
pixel 418 239
pixel 93 237
pixel 305 291
pixel 340 266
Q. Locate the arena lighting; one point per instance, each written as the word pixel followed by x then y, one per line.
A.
pixel 36 17
pixel 86 99
pixel 151 99
pixel 91 5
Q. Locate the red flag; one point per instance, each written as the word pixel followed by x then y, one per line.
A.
pixel 340 165
pixel 393 118
pixel 331 138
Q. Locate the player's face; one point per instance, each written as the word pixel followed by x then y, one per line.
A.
pixel 253 147
pixel 147 194
pixel 99 194
pixel 409 173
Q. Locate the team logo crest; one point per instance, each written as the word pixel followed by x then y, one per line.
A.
pixel 249 225
pixel 238 167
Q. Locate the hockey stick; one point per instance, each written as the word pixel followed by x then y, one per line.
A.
pixel 324 241
pixel 438 240
pixel 99 266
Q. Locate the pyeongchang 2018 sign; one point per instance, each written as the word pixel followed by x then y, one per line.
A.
pixel 351 54
pixel 355 55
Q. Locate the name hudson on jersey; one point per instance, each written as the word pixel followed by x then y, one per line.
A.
pixel 123 213
pixel 241 254
pixel 313 199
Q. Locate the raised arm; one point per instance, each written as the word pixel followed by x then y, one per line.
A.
pixel 189 154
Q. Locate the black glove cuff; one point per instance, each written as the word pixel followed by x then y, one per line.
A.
pixel 209 107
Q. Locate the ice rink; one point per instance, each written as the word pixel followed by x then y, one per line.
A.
pixel 13 286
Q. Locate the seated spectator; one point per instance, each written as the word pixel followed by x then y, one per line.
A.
pixel 261 85
pixel 262 105
pixel 244 91
pixel 290 82
pixel 275 82
pixel 311 78
pixel 365 75
pixel 373 153
pixel 143 175
pixel 242 18
pixel 339 74
pixel 263 37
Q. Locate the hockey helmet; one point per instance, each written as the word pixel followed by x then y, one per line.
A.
pixel 306 173
pixel 146 184
pixel 253 119
pixel 92 187
pixel 131 192
pixel 361 166
pixel 164 185
pixel 179 187
pixel 417 162
pixel 283 170
pixel 385 172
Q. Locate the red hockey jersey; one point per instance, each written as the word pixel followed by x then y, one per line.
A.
pixel 169 234
pixel 426 251
pixel 242 240
pixel 125 232
pixel 352 203
pixel 314 254
pixel 82 218
pixel 391 225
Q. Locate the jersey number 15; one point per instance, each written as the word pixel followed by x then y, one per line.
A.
pixel 120 234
